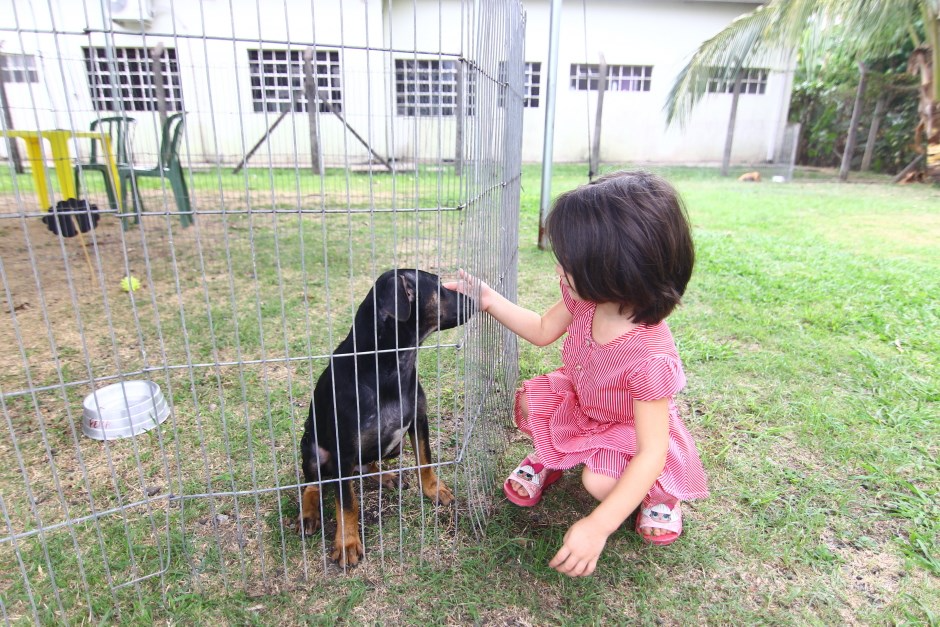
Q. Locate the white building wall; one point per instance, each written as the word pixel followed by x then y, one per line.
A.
pixel 212 40
pixel 663 34
pixel 423 29
pixel 212 43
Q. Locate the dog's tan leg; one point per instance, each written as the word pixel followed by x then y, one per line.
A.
pixel 347 547
pixel 388 479
pixel 310 510
pixel 431 485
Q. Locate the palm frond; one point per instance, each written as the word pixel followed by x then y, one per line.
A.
pixel 775 31
pixel 756 35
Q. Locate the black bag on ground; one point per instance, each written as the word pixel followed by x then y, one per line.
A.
pixel 60 221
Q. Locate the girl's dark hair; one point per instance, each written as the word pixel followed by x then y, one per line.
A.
pixel 625 238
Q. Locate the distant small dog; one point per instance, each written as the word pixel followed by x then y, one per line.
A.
pixel 369 396
pixel 750 177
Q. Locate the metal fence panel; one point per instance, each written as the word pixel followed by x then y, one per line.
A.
pixel 249 274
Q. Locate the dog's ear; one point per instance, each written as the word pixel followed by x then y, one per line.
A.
pixel 395 296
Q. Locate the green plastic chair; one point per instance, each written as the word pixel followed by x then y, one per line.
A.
pixel 168 167
pixel 120 129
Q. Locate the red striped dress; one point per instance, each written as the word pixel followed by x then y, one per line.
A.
pixel 582 413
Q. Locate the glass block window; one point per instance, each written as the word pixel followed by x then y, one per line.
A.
pixel 19 68
pixel 277 80
pixel 124 80
pixel 427 87
pixel 532 87
pixel 586 76
pixel 753 81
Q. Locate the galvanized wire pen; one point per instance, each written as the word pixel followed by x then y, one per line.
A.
pixel 321 143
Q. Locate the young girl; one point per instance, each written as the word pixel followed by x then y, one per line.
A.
pixel 625 254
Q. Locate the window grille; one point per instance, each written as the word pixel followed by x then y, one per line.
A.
pixel 427 87
pixel 753 81
pixel 532 86
pixel 277 80
pixel 19 68
pixel 584 77
pixel 124 81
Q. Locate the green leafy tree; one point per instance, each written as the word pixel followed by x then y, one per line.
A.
pixel 824 92
pixel 863 30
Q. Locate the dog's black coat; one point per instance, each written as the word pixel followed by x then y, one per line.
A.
pixel 369 396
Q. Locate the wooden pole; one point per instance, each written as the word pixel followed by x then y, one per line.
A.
pixel 254 148
pixel 310 90
pixel 156 54
pixel 383 160
pixel 8 124
pixel 596 144
pixel 910 167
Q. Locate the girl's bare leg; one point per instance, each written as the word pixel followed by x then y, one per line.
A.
pixel 599 486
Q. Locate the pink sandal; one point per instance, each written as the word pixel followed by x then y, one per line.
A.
pixel 660 516
pixel 534 477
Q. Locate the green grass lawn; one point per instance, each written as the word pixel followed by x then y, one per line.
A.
pixel 810 343
pixel 810 339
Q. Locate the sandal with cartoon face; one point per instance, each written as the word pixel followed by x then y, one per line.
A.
pixel 660 516
pixel 534 478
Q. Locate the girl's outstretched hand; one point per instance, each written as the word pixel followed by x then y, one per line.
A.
pixel 582 545
pixel 469 284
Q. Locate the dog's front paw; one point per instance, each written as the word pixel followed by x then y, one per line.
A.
pixel 309 519
pixel 392 480
pixel 348 552
pixel 439 493
pixel 306 526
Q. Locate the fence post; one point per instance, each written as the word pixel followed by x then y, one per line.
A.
pixel 310 90
pixel 596 144
pixel 156 55
pixel 8 125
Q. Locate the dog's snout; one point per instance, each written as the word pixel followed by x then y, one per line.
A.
pixel 466 307
pixel 452 308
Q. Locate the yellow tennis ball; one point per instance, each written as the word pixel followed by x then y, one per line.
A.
pixel 130 283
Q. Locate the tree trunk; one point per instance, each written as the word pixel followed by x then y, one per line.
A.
pixel 853 124
pixel 925 64
pixel 873 132
pixel 932 26
pixel 732 117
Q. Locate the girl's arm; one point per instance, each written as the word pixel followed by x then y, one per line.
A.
pixel 540 330
pixel 586 538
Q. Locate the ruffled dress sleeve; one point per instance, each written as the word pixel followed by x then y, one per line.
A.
pixel 659 376
pixel 576 307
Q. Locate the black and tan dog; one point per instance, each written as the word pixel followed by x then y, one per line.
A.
pixel 369 397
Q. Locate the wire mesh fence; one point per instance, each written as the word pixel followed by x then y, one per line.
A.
pixel 320 144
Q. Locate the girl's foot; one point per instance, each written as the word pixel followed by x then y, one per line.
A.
pixel 525 484
pixel 659 524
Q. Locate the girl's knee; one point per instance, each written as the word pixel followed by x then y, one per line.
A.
pixel 597 485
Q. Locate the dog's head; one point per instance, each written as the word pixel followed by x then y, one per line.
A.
pixel 416 299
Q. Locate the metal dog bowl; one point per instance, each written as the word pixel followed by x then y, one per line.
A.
pixel 121 410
